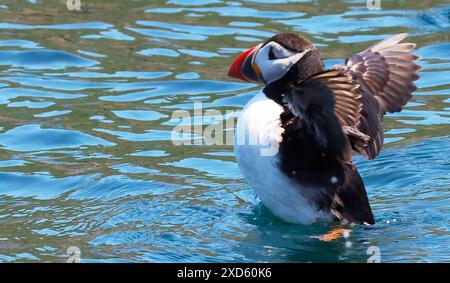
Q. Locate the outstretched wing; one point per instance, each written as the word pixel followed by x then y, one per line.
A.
pixel 326 103
pixel 385 72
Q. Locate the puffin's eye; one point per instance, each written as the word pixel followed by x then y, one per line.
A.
pixel 272 54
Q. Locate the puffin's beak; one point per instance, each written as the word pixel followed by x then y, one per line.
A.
pixel 244 67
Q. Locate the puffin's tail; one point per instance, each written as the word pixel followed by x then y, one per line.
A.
pixel 350 202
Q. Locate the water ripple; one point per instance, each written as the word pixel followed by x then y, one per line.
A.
pixel 87 153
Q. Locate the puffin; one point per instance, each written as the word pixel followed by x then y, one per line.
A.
pixel 294 140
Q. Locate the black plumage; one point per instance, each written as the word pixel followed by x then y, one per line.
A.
pixel 329 113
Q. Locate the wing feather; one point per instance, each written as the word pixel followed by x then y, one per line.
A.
pixel 386 72
pixel 351 99
pixel 327 102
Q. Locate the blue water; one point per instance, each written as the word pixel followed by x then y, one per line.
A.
pixel 86 151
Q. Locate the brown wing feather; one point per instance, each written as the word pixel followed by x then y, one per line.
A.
pixel 354 97
pixel 385 72
pixel 327 102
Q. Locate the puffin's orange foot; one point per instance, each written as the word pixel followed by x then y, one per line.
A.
pixel 334 234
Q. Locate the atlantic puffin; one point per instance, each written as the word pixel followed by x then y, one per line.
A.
pixel 294 140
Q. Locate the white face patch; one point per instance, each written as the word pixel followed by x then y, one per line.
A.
pixel 272 70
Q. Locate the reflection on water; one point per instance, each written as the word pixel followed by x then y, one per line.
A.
pixel 86 158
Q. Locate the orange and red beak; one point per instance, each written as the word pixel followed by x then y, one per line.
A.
pixel 244 67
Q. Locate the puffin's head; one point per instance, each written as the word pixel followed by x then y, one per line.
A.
pixel 281 59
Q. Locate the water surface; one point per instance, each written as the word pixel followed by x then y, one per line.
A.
pixel 86 157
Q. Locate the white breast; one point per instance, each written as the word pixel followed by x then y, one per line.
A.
pixel 258 134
